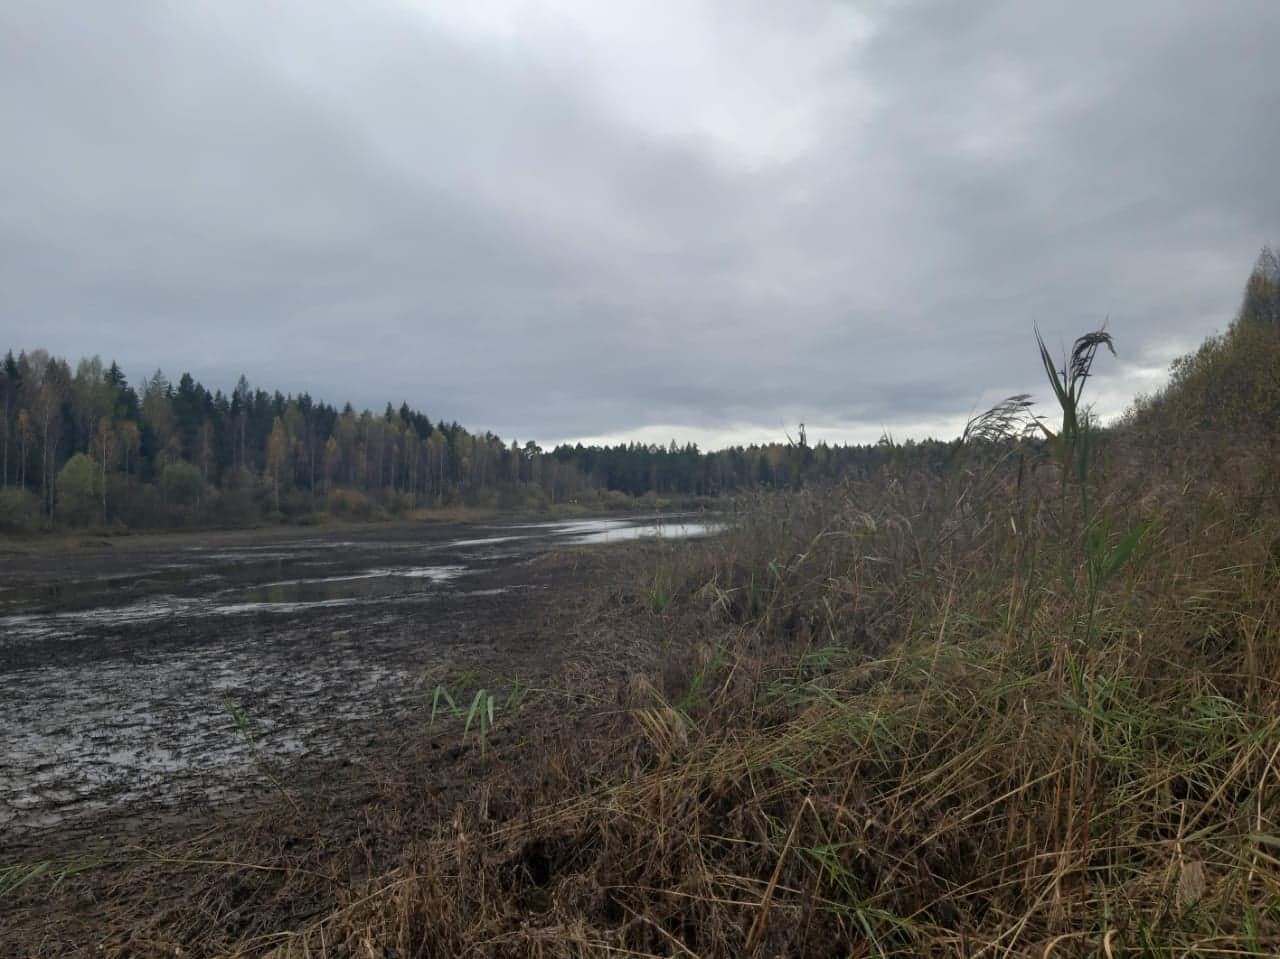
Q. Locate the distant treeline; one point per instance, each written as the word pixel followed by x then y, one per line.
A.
pixel 86 447
pixel 638 469
pixel 83 446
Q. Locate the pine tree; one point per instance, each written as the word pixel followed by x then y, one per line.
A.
pixel 1261 305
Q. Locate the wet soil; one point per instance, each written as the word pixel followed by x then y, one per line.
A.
pixel 149 678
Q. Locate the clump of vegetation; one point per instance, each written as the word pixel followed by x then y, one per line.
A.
pixel 477 700
pixel 1230 385
pixel 19 510
pixel 245 728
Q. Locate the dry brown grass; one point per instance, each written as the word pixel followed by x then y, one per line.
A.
pixel 900 718
pixel 902 732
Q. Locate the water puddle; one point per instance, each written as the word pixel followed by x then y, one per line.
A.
pixel 72 592
pixel 580 532
pixel 36 626
pixel 277 606
pixel 374 583
pixel 626 533
pixel 294 595
pixel 483 541
pixel 165 727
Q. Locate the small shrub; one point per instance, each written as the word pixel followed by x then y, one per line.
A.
pixel 182 484
pixel 233 507
pixel 78 490
pixel 296 504
pixel 137 504
pixel 397 503
pixel 350 504
pixel 19 510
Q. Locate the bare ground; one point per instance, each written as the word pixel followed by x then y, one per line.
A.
pixel 157 825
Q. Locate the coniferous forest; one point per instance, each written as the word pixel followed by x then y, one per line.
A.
pixel 83 446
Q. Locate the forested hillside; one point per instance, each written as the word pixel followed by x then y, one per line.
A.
pixel 83 446
pixel 1232 382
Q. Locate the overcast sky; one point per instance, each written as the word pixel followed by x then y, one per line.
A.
pixel 585 219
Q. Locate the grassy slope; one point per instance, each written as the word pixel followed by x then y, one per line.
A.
pixel 956 715
pixel 901 737
pixel 950 715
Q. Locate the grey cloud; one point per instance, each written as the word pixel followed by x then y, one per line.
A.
pixel 373 204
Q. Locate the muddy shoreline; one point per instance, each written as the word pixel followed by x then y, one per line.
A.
pixel 212 875
pixel 174 676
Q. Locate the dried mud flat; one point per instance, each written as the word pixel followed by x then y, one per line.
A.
pixel 177 676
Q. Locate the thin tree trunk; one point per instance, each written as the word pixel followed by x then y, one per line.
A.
pixel 45 497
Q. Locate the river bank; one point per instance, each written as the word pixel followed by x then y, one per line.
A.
pixel 172 673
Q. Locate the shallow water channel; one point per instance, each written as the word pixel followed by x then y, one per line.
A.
pixel 124 669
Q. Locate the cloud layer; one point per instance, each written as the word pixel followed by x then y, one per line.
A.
pixel 575 219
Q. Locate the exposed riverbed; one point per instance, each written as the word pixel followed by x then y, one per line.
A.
pixel 173 671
